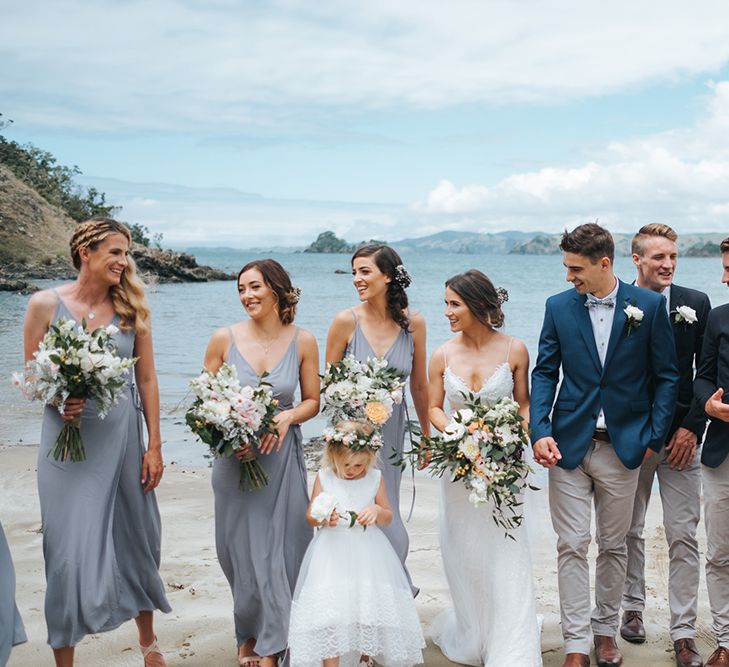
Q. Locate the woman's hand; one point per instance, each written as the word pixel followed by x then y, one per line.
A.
pixel 243 453
pixel 424 456
pixel 281 424
pixel 369 515
pixel 152 469
pixel 333 519
pixel 73 409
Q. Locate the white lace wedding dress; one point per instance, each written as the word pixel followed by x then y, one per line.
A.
pixel 493 621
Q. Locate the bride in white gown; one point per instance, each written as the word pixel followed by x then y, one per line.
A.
pixel 493 621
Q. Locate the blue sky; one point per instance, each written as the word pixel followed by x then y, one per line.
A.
pixel 252 123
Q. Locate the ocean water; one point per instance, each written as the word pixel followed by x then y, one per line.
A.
pixel 185 316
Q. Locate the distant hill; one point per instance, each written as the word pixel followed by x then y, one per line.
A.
pixel 467 243
pixel 329 243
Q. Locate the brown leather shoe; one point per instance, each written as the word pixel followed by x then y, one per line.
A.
pixel 686 653
pixel 576 660
pixel 719 658
pixel 632 629
pixel 607 652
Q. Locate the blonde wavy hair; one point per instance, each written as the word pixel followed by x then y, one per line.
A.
pixel 128 297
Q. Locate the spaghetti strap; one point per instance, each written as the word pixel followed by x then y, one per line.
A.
pixel 354 314
pixel 508 352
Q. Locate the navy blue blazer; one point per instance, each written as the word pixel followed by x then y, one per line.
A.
pixel 637 388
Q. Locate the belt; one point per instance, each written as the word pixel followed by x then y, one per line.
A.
pixel 601 435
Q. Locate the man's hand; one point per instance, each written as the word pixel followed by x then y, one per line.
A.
pixel 681 448
pixel 715 408
pixel 546 452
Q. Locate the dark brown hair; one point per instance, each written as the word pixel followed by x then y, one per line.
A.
pixel 637 247
pixel 278 279
pixel 589 240
pixel 724 246
pixel 480 295
pixel 388 261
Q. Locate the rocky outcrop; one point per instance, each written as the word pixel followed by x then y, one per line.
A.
pixel 168 266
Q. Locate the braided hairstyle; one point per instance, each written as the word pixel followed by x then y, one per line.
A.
pixel 278 279
pixel 128 297
pixel 389 263
pixel 480 296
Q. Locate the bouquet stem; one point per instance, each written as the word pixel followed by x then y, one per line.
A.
pixel 252 474
pixel 69 444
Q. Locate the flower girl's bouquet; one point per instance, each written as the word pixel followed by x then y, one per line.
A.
pixel 226 417
pixel 363 391
pixel 73 363
pixel 324 505
pixel 482 446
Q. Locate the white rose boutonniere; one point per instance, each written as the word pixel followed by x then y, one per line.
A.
pixel 685 314
pixel 634 317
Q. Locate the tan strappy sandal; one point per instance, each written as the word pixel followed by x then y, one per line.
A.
pixel 152 655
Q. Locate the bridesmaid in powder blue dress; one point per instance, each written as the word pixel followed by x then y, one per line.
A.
pixel 101 525
pixel 261 536
pixel 382 326
pixel 12 632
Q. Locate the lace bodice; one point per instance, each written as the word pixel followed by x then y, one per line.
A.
pixel 351 494
pixel 499 384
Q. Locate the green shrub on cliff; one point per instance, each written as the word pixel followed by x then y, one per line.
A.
pixel 40 170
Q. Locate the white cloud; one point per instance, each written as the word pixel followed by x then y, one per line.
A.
pixel 184 64
pixel 679 177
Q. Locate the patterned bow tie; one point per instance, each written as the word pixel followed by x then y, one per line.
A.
pixel 594 302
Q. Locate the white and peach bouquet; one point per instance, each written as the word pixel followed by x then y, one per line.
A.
pixel 483 447
pixel 361 391
pixel 74 363
pixel 227 416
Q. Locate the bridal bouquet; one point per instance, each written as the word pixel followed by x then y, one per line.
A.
pixel 363 391
pixel 322 507
pixel 226 416
pixel 483 446
pixel 73 363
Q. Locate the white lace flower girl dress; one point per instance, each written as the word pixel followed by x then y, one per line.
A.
pixel 352 596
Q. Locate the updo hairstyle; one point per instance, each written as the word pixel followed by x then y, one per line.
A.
pixel 278 279
pixel 479 294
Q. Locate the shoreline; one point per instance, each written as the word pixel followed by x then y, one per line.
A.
pixel 199 631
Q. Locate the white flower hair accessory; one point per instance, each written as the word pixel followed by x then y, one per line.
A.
pixel 402 277
pixel 502 295
pixel 295 294
pixel 685 314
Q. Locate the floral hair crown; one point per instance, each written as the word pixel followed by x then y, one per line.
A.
pixel 502 295
pixel 354 435
pixel 402 277
pixel 294 294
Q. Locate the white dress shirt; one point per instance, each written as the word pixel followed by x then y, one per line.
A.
pixel 601 318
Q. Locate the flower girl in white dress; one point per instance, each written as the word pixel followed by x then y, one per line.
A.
pixel 352 602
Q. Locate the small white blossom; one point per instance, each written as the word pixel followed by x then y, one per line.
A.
pixel 686 314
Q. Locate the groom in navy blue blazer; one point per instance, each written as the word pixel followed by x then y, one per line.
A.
pixel 614 345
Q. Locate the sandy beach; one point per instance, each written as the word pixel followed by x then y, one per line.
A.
pixel 199 632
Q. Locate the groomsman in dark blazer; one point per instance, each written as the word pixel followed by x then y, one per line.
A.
pixel 710 386
pixel 676 465
pixel 612 346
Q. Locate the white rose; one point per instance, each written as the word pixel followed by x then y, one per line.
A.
pixel 465 415
pixel 322 507
pixel 634 313
pixel 470 449
pixel 454 431
pixel 687 314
